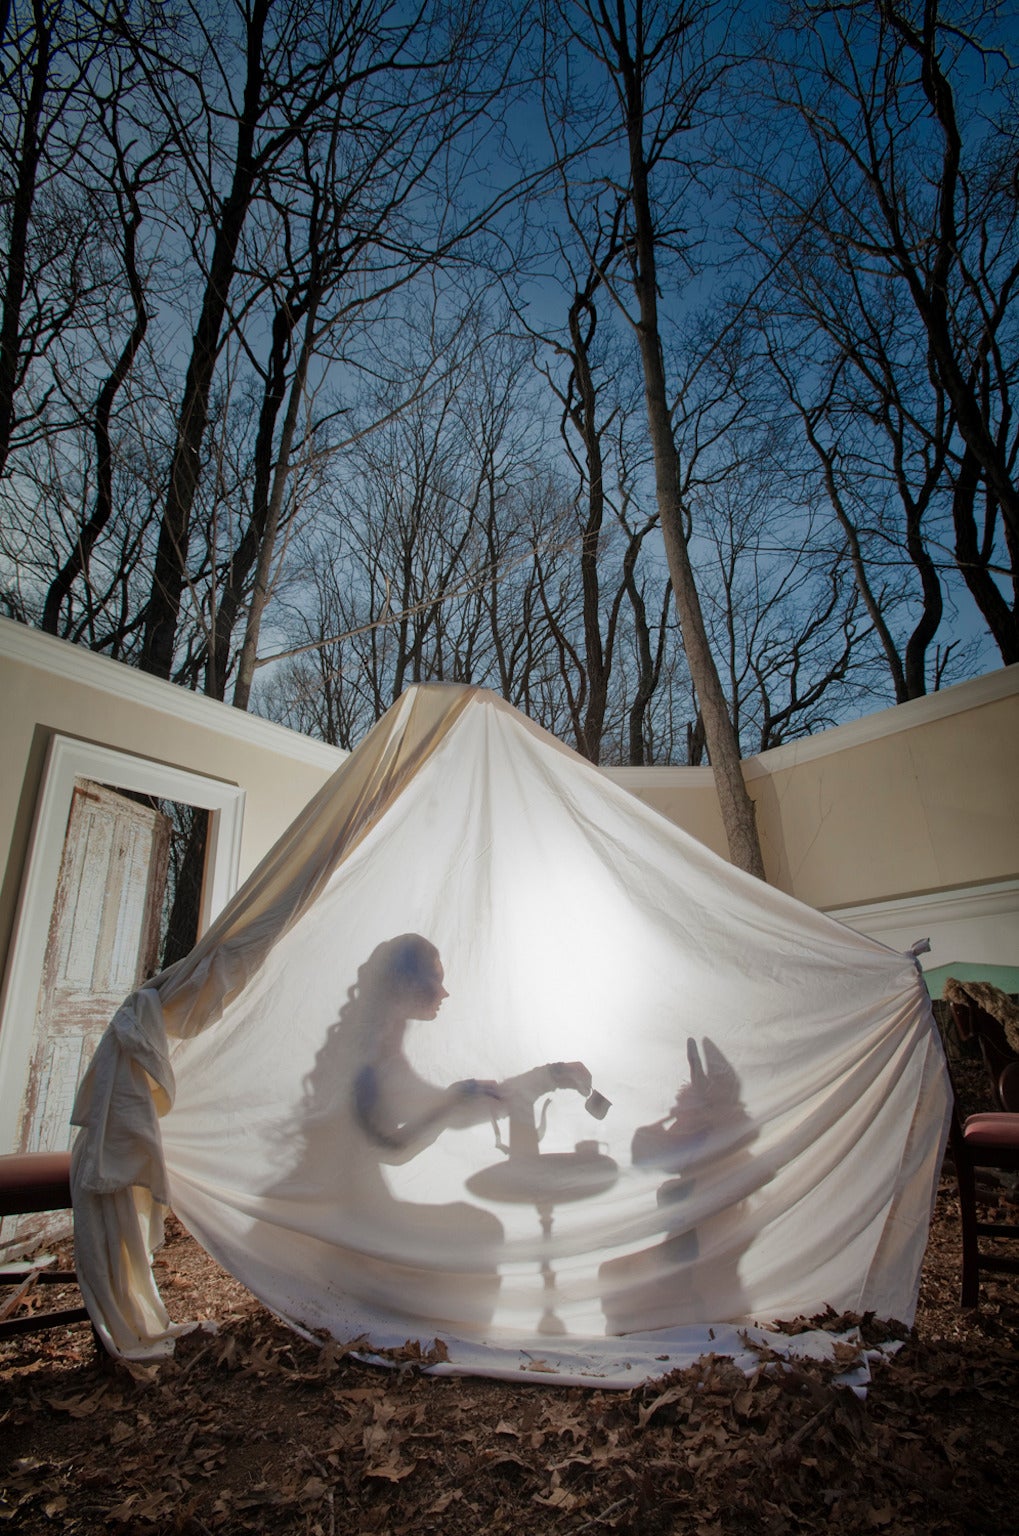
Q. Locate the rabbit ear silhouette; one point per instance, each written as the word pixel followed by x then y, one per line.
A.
pixel 721 1073
pixel 698 1079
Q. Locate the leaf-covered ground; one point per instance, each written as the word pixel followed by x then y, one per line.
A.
pixel 252 1429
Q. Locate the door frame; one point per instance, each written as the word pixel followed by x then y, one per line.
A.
pixel 67 761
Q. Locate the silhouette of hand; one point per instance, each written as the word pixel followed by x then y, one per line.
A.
pixel 571 1074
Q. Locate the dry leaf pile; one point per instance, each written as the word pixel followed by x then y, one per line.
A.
pixel 250 1429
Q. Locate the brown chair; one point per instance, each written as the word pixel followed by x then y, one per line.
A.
pixel 980 1144
pixel 30 1182
pixel 974 1023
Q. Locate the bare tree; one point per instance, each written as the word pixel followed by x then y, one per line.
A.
pixel 40 80
pixel 887 233
pixel 389 85
pixel 393 567
pixel 653 672
pixel 596 427
pixel 312 174
pixel 449 555
pixel 885 480
pixel 659 64
pixel 220 219
pixel 785 620
pixel 115 190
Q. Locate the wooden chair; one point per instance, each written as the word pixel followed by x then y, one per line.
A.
pixel 974 1023
pixel 30 1182
pixel 983 1143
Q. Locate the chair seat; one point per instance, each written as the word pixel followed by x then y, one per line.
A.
pixel 34 1181
pixel 30 1182
pixel 996 1128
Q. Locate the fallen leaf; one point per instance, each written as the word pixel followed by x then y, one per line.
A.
pixel 77 1407
pixel 444 1500
pixel 314 1488
pixel 557 1498
pixel 394 1470
pixel 675 1394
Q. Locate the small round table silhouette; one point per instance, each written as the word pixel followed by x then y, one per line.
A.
pixel 544 1180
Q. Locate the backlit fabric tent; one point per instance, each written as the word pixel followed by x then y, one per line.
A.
pixel 660 1096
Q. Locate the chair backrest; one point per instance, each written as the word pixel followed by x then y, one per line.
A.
pixel 1008 1087
pixel 974 1023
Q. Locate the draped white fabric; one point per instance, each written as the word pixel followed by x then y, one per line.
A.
pixel 375 1158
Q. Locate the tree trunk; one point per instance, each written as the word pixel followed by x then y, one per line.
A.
pixel 931 297
pixel 77 561
pixel 19 219
pixel 584 416
pixel 269 528
pixel 170 567
pixel 973 561
pixel 723 747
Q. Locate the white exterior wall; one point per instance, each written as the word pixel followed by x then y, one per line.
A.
pixel 903 823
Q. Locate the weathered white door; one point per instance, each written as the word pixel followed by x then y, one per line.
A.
pixel 103 941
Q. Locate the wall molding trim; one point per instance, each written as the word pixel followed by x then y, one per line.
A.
pixel 959 905
pixel 75 662
pixel 636 779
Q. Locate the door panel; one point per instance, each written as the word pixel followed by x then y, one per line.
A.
pixel 103 941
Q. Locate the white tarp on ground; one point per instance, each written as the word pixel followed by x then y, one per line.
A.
pixel 363 1152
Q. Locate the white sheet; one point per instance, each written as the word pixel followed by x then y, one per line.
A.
pixel 778 1098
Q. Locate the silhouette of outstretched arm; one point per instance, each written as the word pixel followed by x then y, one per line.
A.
pixel 464 1103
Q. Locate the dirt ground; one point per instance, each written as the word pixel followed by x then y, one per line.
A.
pixel 252 1429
